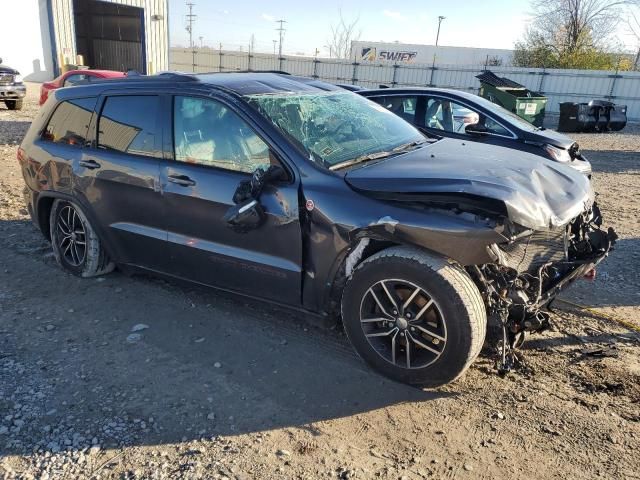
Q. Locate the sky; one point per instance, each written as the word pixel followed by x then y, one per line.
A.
pixel 468 23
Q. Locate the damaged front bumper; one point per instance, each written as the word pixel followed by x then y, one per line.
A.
pixel 532 270
pixel 535 267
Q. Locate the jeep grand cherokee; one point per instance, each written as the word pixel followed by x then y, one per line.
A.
pixel 301 193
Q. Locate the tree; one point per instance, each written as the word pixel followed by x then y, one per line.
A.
pixel 342 34
pixel 571 34
pixel 633 26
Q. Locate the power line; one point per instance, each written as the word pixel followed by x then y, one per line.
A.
pixel 191 19
pixel 280 29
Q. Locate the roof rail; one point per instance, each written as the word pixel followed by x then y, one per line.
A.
pixel 280 72
pixel 174 74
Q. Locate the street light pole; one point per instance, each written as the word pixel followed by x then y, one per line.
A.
pixel 440 18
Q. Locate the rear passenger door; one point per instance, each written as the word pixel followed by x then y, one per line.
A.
pixel 118 176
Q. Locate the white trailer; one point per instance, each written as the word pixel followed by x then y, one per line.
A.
pixel 405 53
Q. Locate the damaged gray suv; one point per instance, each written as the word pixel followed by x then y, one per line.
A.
pixel 300 193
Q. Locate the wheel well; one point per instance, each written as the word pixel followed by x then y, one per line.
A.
pixel 372 247
pixel 44 211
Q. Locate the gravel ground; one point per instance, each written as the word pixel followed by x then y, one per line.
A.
pixel 137 378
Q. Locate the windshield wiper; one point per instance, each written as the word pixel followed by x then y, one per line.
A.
pixel 361 159
pixel 377 155
pixel 407 146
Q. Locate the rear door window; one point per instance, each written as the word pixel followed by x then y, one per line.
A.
pixel 129 124
pixel 70 122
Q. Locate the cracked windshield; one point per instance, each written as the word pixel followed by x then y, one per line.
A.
pixel 338 128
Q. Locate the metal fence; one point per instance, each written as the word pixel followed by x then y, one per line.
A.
pixel 558 85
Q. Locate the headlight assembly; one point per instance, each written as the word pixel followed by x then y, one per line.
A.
pixel 558 154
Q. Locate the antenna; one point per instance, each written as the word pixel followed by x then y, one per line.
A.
pixel 191 18
pixel 280 29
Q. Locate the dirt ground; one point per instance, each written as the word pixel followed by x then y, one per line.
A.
pixel 215 386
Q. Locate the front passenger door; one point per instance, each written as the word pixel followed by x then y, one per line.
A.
pixel 213 149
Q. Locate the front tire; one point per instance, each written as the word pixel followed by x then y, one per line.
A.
pixel 76 246
pixel 414 317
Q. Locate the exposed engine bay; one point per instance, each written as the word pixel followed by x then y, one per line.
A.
pixel 532 268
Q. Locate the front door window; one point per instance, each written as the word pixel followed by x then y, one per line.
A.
pixel 207 133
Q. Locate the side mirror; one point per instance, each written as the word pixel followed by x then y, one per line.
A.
pixel 247 213
pixel 0 59
pixel 245 216
pixel 476 129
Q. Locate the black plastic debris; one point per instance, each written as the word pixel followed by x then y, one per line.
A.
pixel 601 352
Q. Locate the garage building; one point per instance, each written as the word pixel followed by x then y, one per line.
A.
pixel 49 36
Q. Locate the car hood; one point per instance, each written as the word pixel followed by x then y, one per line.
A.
pixel 535 193
pixel 551 137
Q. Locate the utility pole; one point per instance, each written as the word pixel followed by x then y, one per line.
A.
pixel 330 48
pixel 275 42
pixel 280 29
pixel 440 18
pixel 191 18
pixel 201 39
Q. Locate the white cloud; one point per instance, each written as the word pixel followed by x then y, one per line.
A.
pixel 268 18
pixel 394 15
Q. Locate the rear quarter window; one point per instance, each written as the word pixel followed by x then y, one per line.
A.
pixel 70 122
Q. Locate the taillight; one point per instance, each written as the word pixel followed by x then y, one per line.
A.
pixel 21 155
pixel 44 94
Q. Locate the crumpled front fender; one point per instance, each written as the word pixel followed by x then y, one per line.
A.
pixel 462 238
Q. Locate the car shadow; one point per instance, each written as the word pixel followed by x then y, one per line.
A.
pixel 144 361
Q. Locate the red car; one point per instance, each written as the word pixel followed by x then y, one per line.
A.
pixel 73 77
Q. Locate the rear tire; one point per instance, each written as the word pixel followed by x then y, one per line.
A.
pixel 14 104
pixel 76 246
pixel 430 307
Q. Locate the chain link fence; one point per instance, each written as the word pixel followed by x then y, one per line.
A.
pixel 558 85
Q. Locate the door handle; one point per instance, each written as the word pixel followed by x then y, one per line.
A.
pixel 90 164
pixel 181 180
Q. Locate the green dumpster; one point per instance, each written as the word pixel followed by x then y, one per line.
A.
pixel 513 96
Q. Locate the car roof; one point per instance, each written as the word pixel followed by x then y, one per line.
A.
pixel 241 84
pixel 96 73
pixel 254 83
pixel 423 90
